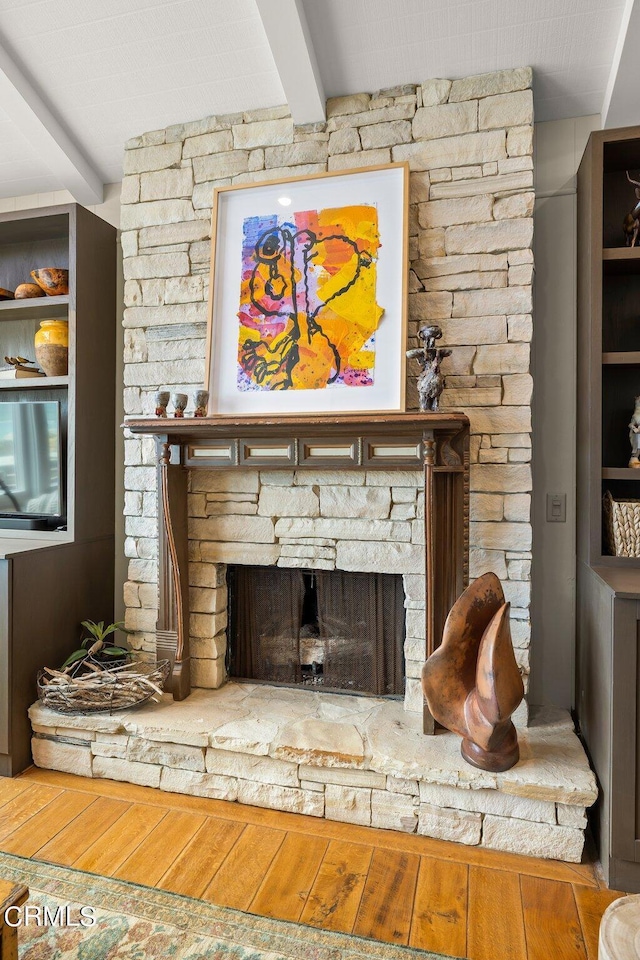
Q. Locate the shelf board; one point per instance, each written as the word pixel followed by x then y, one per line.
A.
pixel 620 473
pixel 621 259
pixel 621 253
pixel 34 383
pixel 34 308
pixel 606 560
pixel 622 574
pixel 622 358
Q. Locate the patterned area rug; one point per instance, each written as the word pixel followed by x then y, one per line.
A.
pixel 138 923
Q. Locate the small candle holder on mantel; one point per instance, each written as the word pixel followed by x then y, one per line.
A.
pixel 162 400
pixel 179 401
pixel 200 402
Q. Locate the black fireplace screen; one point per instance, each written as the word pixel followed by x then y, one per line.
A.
pixel 338 630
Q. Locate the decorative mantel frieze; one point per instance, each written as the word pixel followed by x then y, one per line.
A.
pixel 436 443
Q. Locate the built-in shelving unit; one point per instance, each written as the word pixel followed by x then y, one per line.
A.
pixel 609 335
pixel 608 587
pixel 51 580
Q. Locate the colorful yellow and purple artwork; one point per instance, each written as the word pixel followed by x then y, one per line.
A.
pixel 308 314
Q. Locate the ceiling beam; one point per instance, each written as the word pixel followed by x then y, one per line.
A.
pixel 24 106
pixel 287 31
pixel 621 107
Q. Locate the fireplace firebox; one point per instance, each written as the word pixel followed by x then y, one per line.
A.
pixel 328 629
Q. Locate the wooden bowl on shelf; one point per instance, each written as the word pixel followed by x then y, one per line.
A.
pixel 6 294
pixel 26 290
pixel 53 280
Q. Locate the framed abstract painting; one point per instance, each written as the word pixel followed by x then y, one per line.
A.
pixel 308 294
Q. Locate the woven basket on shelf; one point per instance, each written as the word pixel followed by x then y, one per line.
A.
pixel 116 688
pixel 622 525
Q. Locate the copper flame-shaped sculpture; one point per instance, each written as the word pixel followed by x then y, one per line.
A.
pixel 472 683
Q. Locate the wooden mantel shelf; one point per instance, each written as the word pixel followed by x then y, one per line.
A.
pixel 436 443
pixel 226 426
pixel 374 441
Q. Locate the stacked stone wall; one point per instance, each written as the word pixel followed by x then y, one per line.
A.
pixel 469 146
pixel 353 520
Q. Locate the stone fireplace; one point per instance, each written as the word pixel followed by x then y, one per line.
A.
pixel 360 759
pixel 382 537
pixel 469 145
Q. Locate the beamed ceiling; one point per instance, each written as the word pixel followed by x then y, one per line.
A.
pixel 79 77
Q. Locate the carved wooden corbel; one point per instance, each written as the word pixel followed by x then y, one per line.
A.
pixel 446 522
pixel 172 629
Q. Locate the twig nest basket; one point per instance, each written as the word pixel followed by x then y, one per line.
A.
pixel 102 689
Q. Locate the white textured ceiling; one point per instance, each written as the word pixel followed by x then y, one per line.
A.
pixel 110 70
pixel 21 171
pixel 368 44
pixel 113 69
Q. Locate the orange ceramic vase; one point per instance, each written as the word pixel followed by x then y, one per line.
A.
pixel 52 347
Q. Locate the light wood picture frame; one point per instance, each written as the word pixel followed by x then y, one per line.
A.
pixel 308 294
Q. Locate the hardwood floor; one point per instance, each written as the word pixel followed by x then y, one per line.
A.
pixel 396 887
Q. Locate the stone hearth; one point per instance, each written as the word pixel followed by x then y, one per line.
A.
pixel 355 759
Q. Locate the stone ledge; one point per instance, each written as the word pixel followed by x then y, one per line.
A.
pixel 350 758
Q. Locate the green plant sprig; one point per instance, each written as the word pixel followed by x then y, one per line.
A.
pixel 95 643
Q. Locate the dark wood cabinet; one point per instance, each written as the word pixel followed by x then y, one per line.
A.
pixel 609 713
pixel 51 580
pixel 608 587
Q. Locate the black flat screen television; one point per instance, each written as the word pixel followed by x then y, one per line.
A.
pixel 31 475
